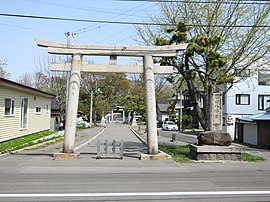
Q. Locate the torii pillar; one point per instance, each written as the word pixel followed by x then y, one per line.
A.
pixel 72 105
pixel 148 69
pixel 150 100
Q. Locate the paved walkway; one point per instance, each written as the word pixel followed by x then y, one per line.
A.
pixel 132 146
pixel 80 138
pixel 86 142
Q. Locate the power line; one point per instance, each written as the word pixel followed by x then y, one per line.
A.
pixel 123 40
pixel 120 31
pixel 79 8
pixel 251 2
pixel 132 9
pixel 87 28
pixel 124 22
pixel 109 37
pixel 15 26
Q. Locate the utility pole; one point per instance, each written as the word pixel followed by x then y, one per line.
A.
pixel 91 109
pixel 67 34
pixel 180 111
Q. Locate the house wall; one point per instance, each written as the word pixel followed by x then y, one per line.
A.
pixel 250 135
pixel 10 125
pixel 251 87
pixel 232 110
pixel 230 124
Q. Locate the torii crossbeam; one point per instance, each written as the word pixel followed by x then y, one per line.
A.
pixel 148 69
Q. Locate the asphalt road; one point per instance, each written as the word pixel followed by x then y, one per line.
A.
pixel 34 176
pixel 187 138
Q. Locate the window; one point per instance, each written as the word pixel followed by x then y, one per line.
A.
pixel 264 77
pixel 242 99
pixel 263 102
pixel 9 106
pixel 38 110
pixel 244 73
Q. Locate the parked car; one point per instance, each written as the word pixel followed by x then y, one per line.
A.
pixel 169 125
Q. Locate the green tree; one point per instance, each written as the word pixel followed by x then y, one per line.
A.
pixel 220 45
pixel 163 89
pixel 52 82
pixel 109 90
pixel 26 79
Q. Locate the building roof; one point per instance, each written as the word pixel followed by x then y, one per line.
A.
pixel 163 107
pixel 11 84
pixel 263 116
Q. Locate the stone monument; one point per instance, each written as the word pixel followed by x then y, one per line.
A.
pixel 215 145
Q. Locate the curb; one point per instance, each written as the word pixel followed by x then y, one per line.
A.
pixel 89 141
pixel 36 145
pixel 138 136
pixel 145 143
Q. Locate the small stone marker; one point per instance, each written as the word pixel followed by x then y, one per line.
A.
pixel 173 137
pixel 115 146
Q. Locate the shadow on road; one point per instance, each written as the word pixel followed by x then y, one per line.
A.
pixel 32 154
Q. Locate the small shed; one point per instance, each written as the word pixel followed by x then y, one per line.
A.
pixel 254 129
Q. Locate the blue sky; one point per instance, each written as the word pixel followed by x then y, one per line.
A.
pixel 18 34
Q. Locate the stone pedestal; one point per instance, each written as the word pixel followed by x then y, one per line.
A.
pixel 215 153
pixel 65 156
pixel 159 156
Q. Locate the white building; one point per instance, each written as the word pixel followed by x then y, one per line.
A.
pixel 23 110
pixel 250 96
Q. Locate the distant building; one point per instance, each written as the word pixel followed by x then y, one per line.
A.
pixel 180 103
pixel 118 114
pixel 23 110
pixel 162 112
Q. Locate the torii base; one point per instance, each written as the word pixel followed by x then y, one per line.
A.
pixel 159 156
pixel 65 156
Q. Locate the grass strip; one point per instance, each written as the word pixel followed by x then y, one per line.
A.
pixel 251 158
pixel 179 153
pixel 23 142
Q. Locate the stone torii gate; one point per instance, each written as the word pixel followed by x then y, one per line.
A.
pixel 76 67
